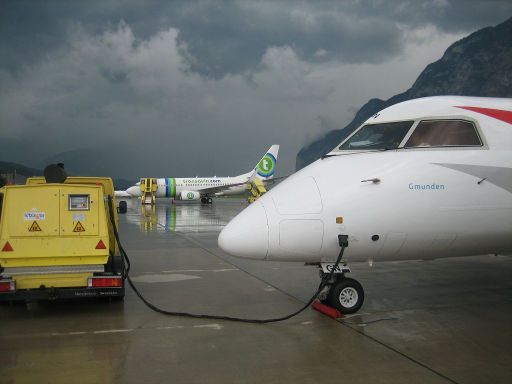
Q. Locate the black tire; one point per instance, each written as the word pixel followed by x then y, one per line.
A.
pixel 210 201
pixel 116 265
pixel 120 266
pixel 203 200
pixel 347 296
pixel 123 207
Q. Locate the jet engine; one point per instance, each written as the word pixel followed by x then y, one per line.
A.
pixel 189 195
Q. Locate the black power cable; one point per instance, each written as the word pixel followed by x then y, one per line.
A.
pixel 126 274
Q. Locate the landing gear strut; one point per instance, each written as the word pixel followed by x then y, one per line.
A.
pixel 343 293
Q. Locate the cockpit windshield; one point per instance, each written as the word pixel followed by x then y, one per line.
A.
pixel 378 136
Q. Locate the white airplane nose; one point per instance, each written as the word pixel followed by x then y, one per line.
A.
pixel 246 235
pixel 134 191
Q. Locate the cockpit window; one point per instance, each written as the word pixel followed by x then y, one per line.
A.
pixel 378 136
pixel 444 133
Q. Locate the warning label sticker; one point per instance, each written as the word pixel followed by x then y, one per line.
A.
pixel 29 216
pixel 79 227
pixel 78 217
pixel 34 227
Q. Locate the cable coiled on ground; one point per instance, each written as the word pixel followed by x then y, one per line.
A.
pixel 126 274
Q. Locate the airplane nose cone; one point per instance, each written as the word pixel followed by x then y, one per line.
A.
pixel 134 191
pixel 246 235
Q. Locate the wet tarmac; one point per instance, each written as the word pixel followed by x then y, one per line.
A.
pixel 440 321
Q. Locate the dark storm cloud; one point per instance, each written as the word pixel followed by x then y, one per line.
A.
pixel 446 15
pixel 231 37
pixel 234 40
pixel 205 87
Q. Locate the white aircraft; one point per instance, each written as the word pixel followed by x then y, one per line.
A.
pixel 423 179
pixel 202 188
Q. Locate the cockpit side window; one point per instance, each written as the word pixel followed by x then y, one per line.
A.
pixel 378 136
pixel 444 133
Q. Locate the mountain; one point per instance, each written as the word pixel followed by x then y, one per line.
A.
pixel 82 162
pixel 92 162
pixel 22 171
pixel 477 65
pixel 9 168
pixel 26 152
pixel 16 173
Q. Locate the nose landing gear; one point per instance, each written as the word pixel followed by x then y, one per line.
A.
pixel 343 293
pixel 340 292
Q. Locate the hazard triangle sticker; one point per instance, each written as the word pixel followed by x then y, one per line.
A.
pixel 34 227
pixel 79 227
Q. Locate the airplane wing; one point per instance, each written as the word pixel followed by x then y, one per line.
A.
pixel 122 194
pixel 217 189
pixel 220 188
pixel 275 180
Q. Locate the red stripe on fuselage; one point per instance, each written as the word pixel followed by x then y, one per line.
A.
pixel 499 114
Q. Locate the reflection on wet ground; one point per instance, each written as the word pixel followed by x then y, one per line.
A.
pixel 171 216
pixel 441 321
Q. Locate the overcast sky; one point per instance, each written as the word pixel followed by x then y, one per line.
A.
pixel 205 87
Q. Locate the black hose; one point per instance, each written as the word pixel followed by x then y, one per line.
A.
pixel 126 275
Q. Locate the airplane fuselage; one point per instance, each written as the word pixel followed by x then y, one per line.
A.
pixel 409 202
pixel 173 187
pixel 422 206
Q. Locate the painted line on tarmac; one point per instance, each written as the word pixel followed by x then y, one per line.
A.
pixel 214 327
pixel 163 278
pixel 194 270
pixel 113 331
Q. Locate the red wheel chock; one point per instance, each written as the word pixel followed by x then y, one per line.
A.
pixel 326 310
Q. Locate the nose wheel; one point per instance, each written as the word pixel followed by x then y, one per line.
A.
pixel 346 295
pixel 343 293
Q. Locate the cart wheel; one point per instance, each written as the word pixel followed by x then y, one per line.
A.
pixel 123 207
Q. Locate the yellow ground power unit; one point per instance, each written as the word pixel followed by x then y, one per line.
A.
pixel 57 240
